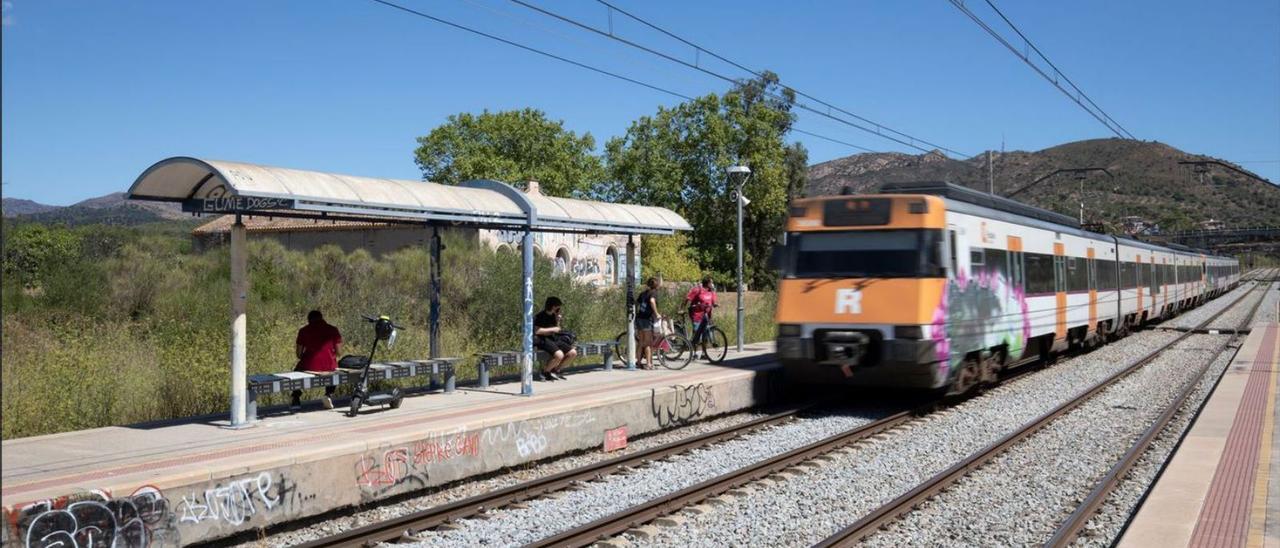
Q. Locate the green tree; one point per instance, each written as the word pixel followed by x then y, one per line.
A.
pixel 669 256
pixel 677 159
pixel 511 146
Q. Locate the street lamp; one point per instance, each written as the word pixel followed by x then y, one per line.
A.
pixel 742 173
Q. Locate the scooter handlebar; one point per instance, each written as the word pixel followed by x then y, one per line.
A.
pixel 375 320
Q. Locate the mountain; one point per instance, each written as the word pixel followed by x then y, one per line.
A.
pixel 111 209
pixel 17 206
pixel 1146 181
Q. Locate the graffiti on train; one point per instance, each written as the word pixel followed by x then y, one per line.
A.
pixel 684 404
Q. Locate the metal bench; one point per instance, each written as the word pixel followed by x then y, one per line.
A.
pixel 276 383
pixel 491 360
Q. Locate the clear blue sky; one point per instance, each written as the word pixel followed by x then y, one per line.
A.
pixel 94 92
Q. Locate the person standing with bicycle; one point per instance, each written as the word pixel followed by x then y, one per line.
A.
pixel 647 316
pixel 700 300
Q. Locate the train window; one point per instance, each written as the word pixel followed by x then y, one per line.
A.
pixel 954 258
pixel 864 254
pixel 1077 275
pixel 1039 273
pixel 1151 279
pixel 997 261
pixel 1106 275
pixel 1059 273
pixel 976 257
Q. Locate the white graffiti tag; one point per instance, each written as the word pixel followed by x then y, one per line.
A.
pixel 233 503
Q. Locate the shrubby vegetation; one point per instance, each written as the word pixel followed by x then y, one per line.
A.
pixel 110 325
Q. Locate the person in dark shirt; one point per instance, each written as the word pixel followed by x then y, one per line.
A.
pixel 547 336
pixel 317 349
pixel 647 317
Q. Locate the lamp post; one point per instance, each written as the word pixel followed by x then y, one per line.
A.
pixel 743 173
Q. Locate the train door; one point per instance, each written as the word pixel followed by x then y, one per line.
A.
pixel 1060 288
pixel 1137 273
pixel 1017 266
pixel 1093 290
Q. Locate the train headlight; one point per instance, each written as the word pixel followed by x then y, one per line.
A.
pixel 908 332
pixel 788 330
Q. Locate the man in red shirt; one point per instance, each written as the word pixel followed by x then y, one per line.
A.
pixel 318 344
pixel 701 299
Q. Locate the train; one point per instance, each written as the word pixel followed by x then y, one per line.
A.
pixel 937 286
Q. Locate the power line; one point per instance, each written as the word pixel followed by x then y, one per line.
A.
pixel 879 130
pixel 758 74
pixel 579 64
pixel 1056 79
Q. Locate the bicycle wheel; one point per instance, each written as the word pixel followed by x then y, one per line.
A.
pixel 715 344
pixel 620 347
pixel 678 352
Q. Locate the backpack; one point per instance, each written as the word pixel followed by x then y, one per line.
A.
pixel 643 310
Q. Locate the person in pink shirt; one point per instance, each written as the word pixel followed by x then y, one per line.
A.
pixel 700 300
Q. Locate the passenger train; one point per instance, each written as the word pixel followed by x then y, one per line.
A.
pixel 938 286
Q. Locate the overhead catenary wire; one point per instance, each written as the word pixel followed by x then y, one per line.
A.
pixel 758 74
pixel 578 64
pixel 877 129
pixel 1079 97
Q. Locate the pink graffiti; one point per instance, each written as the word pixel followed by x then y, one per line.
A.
pixel 458 445
pixel 395 466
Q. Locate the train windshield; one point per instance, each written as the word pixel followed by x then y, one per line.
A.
pixel 865 254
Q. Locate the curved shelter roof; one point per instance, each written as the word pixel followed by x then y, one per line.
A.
pixel 216 186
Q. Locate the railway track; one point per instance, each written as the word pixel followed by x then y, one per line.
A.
pixel 889 512
pixel 1073 525
pixel 406 528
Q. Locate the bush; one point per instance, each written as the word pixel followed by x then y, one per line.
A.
pixel 129 325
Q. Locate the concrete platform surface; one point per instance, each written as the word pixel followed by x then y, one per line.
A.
pixel 1222 486
pixel 197 480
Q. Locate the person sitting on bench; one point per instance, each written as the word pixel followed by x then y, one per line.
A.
pixel 317 349
pixel 553 339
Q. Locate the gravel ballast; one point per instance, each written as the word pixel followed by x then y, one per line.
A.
pixel 1020 497
pixel 1235 318
pixel 815 504
pixel 493 482
pixel 548 516
pixel 1122 502
pixel 1269 312
pixel 1194 317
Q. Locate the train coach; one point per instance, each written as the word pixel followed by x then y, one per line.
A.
pixel 940 287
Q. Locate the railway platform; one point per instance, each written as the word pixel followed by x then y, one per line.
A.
pixel 197 480
pixel 1222 486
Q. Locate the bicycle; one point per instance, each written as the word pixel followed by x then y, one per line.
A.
pixel 714 343
pixel 672 351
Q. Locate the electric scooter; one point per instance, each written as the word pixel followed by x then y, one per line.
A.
pixel 383 330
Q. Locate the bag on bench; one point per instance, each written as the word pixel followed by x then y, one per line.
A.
pixel 351 361
pixel 567 338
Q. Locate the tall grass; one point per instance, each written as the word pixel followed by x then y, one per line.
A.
pixel 137 329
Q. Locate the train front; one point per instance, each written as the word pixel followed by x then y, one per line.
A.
pixel 862 279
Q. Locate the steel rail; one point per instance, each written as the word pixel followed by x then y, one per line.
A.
pixel 410 524
pixel 904 503
pixel 619 522
pixel 1071 527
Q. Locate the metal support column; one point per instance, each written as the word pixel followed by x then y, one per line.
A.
pixel 239 298
pixel 526 355
pixel 740 288
pixel 450 379
pixel 631 303
pixel 434 331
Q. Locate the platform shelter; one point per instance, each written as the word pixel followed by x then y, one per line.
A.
pixel 221 187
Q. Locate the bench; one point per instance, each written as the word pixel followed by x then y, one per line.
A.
pixel 277 383
pixel 490 360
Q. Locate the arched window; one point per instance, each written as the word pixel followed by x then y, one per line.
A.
pixel 611 265
pixel 504 248
pixel 562 261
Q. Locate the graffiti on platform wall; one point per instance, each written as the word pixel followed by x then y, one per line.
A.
pixel 406 467
pixel 685 404
pixel 533 438
pixel 235 501
pixel 977 312
pixel 95 519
